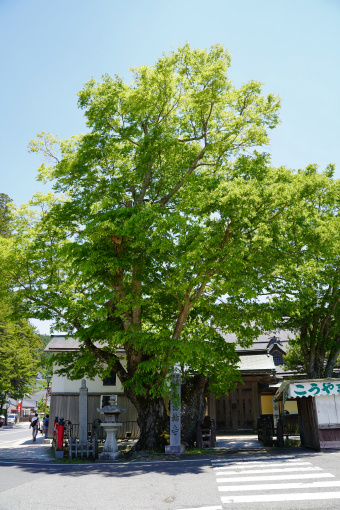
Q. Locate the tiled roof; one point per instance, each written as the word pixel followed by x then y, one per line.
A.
pixel 62 343
pixel 254 358
pixel 256 362
pixel 261 342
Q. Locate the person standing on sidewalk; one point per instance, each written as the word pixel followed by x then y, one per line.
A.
pixel 35 425
pixel 46 422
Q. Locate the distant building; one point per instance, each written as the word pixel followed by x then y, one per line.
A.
pixel 260 370
pixel 262 373
pixel 65 392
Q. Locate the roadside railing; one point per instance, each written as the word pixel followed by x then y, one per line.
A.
pixel 128 430
pixel 287 426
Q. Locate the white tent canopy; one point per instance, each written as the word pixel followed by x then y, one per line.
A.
pixel 299 388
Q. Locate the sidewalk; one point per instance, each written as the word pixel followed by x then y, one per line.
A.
pixel 26 450
pixel 239 442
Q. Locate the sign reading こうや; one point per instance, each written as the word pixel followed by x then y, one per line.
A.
pixel 313 389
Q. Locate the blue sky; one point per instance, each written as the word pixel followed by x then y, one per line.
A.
pixel 50 49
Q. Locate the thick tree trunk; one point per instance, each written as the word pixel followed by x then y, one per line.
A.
pixel 319 364
pixel 332 359
pixel 153 422
pixel 314 358
pixel 314 369
pixel 193 406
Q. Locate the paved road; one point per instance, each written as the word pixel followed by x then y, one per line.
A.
pixel 298 481
pixel 266 479
pixel 16 444
pixel 15 433
pixel 142 486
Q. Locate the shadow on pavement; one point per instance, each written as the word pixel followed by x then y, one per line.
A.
pixel 36 457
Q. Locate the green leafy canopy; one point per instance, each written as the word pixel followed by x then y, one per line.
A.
pixel 165 206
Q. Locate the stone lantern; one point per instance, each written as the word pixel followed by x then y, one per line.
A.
pixel 111 424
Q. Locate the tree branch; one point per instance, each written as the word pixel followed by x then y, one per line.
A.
pixel 178 186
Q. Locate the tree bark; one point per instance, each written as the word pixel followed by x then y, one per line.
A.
pixel 153 423
pixel 152 417
pixel 193 406
pixel 332 359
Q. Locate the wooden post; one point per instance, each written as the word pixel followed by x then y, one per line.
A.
pixel 256 402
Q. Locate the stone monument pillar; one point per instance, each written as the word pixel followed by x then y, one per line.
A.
pixel 175 413
pixel 83 413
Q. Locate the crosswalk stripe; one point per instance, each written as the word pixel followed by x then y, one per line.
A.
pixel 262 498
pixel 268 470
pixel 204 508
pixel 279 486
pixel 258 464
pixel 230 469
pixel 249 459
pixel 275 477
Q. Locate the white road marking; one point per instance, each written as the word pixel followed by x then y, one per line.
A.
pixel 249 459
pixel 275 477
pixel 252 465
pixel 6 442
pixel 277 486
pixel 203 508
pixel 268 470
pixel 4 432
pixel 305 496
pixel 232 473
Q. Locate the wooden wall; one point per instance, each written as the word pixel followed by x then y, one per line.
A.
pixel 329 437
pixel 320 418
pixel 66 405
pixel 309 434
pixel 238 410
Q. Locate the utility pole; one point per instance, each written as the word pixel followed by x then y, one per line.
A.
pixel 48 379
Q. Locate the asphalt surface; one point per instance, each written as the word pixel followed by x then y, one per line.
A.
pixel 240 473
pixel 16 444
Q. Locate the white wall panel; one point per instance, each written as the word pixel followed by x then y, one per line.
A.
pixel 61 384
pixel 328 409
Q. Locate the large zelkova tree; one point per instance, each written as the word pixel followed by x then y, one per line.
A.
pixel 5 215
pixel 306 280
pixel 45 357
pixel 19 354
pixel 161 208
pixel 19 343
